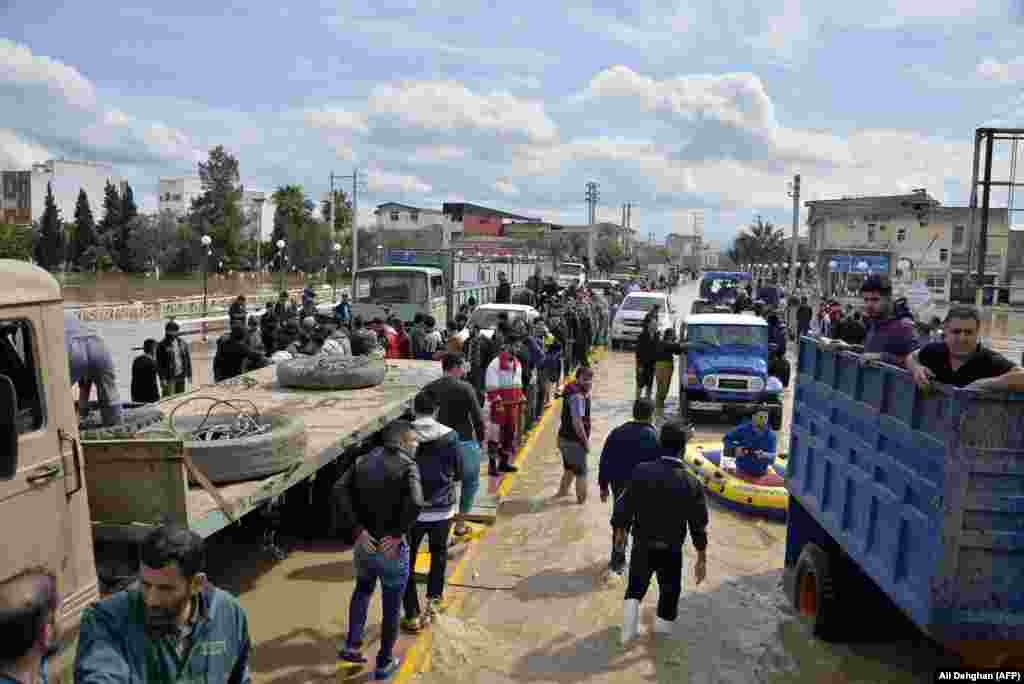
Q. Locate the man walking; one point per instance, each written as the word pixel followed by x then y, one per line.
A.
pixel 440 465
pixel 28 626
pixel 574 434
pixel 460 410
pixel 804 313
pixel 173 361
pixel 145 378
pixel 661 502
pixel 379 498
pixel 505 392
pixel 626 446
pixel 174 627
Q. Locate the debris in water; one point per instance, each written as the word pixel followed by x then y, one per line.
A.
pixel 458 644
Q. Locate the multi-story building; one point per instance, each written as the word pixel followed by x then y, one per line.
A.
pixel 710 253
pixel 393 216
pixel 176 194
pixel 911 237
pixel 471 219
pixel 24 192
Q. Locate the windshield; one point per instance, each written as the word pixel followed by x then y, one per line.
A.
pixel 642 303
pixel 487 319
pixel 725 335
pixel 391 287
pixel 571 269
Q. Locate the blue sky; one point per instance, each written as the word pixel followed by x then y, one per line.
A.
pixel 671 106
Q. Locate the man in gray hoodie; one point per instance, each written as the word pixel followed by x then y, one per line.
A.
pixel 441 469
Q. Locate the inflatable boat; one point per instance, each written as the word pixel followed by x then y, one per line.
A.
pixel 764 496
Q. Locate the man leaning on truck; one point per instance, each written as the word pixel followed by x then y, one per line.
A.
pixel 960 359
pixel 174 627
pixel 28 626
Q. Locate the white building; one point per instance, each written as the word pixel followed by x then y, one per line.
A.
pixel 394 216
pixel 23 198
pixel 176 194
pixel 711 251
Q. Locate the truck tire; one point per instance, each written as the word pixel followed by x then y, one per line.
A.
pixel 814 593
pixel 136 418
pixel 332 372
pixel 248 458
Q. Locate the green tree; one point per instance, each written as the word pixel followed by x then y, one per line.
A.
pixel 85 225
pixel 128 216
pixel 215 212
pixel 49 241
pixel 761 242
pixel 292 213
pixel 343 213
pixel 15 242
pixel 111 211
pixel 608 254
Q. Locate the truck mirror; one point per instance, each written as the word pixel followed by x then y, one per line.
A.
pixel 8 429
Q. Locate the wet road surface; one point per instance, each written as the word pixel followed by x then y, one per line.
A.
pixel 535 603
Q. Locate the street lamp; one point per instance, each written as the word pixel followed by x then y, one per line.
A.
pixel 337 254
pixel 281 259
pixel 206 241
pixel 380 254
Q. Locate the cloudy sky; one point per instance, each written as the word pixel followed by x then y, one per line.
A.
pixel 673 106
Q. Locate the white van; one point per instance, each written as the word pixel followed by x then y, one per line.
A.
pixel 570 273
pixel 629 318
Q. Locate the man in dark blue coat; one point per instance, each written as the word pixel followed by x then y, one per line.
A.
pixel 626 446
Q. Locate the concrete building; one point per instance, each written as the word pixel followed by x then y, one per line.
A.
pixel 710 255
pixel 472 219
pixel 24 192
pixel 911 237
pixel 176 194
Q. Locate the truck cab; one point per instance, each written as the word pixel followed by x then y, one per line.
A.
pixel 571 273
pixel 719 289
pixel 728 370
pixel 44 510
pixel 400 291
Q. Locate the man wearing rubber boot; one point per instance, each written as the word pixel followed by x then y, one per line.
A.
pixel 661 502
pixel 90 363
pixel 625 447
pixel 752 444
pixel 574 434
pixel 505 392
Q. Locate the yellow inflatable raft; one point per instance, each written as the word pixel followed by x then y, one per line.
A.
pixel 765 496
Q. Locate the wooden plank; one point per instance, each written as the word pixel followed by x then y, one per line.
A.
pixel 133 481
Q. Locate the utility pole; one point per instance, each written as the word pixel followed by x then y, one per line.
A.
pixel 355 213
pixel 593 194
pixel 794 192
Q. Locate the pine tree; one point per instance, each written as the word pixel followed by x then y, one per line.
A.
pixel 48 250
pixel 129 212
pixel 216 211
pixel 111 210
pixel 86 227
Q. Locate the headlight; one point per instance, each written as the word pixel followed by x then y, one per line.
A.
pixel 711 381
pixel 756 384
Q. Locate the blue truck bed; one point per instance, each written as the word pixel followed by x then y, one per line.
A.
pixel 925 494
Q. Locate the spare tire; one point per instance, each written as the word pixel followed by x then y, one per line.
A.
pixel 136 418
pixel 332 372
pixel 248 458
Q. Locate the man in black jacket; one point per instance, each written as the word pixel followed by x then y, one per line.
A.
pixel 379 498
pixel 440 465
pixel 661 501
pixel 460 410
pixel 145 382
pixel 235 355
pixel 504 293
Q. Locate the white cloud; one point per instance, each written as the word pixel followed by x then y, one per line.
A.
pixel 117 118
pixel 169 143
pixel 333 118
pixel 438 154
pixel 449 106
pixel 382 181
pixel 17 153
pixel 20 67
pixel 506 188
pixel 1008 72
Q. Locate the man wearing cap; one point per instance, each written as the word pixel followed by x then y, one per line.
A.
pixel 173 361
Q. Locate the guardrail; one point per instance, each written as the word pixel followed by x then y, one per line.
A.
pixel 160 309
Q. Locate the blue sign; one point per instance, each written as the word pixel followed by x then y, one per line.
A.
pixel 399 257
pixel 858 263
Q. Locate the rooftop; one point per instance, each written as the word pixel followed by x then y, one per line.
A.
pixel 397 205
pixel 458 209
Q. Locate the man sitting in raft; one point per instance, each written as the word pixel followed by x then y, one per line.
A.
pixel 753 444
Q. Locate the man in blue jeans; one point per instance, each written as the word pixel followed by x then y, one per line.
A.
pixel 379 498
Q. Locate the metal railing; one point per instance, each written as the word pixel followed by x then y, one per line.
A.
pixel 159 309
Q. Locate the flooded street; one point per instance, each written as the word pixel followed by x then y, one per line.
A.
pixel 533 603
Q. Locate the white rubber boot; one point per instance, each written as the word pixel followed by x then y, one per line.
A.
pixel 662 626
pixel 630 620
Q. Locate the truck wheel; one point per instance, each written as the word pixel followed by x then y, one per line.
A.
pixel 814 596
pixel 332 372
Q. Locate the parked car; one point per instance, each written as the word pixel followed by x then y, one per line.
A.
pixel 728 372
pixel 629 317
pixel 602 285
pixel 486 316
pixel 571 273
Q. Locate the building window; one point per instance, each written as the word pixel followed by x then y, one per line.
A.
pixel 943 256
pixel 871 232
pixel 901 234
pixel 936 283
pixel 958 235
pixel 414 216
pixel 177 197
pixel 394 216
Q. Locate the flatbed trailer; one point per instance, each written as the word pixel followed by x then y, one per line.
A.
pixel 135 484
pixel 905 498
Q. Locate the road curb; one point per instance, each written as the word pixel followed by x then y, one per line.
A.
pixel 418 658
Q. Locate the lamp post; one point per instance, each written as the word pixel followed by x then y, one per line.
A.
pixel 281 265
pixel 207 253
pixel 337 265
pixel 259 200
pixel 380 254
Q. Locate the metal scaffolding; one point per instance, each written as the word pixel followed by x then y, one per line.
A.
pixel 987 137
